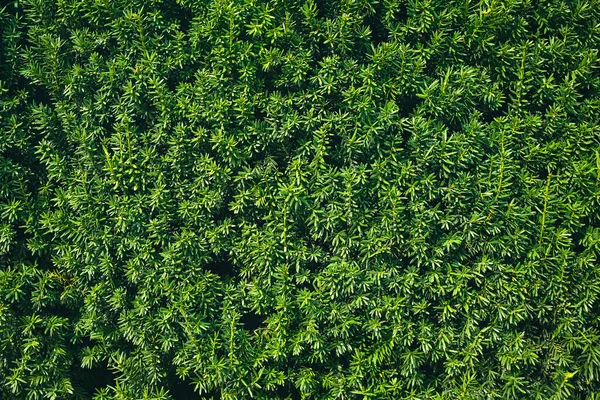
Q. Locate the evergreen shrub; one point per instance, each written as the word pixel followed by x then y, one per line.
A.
pixel 299 199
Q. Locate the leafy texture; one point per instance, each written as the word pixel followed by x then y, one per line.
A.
pixel 354 199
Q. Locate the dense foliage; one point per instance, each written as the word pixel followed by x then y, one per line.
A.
pixel 316 199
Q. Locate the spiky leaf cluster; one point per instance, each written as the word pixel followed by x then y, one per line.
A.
pixel 315 199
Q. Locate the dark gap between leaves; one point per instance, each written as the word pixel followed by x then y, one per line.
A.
pixel 90 380
pixel 252 320
pixel 221 266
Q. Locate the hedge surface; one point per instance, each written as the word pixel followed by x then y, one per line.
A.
pixel 350 199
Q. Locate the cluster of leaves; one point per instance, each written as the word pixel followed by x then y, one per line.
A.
pixel 315 199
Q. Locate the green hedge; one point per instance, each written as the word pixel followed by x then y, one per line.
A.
pixel 301 199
